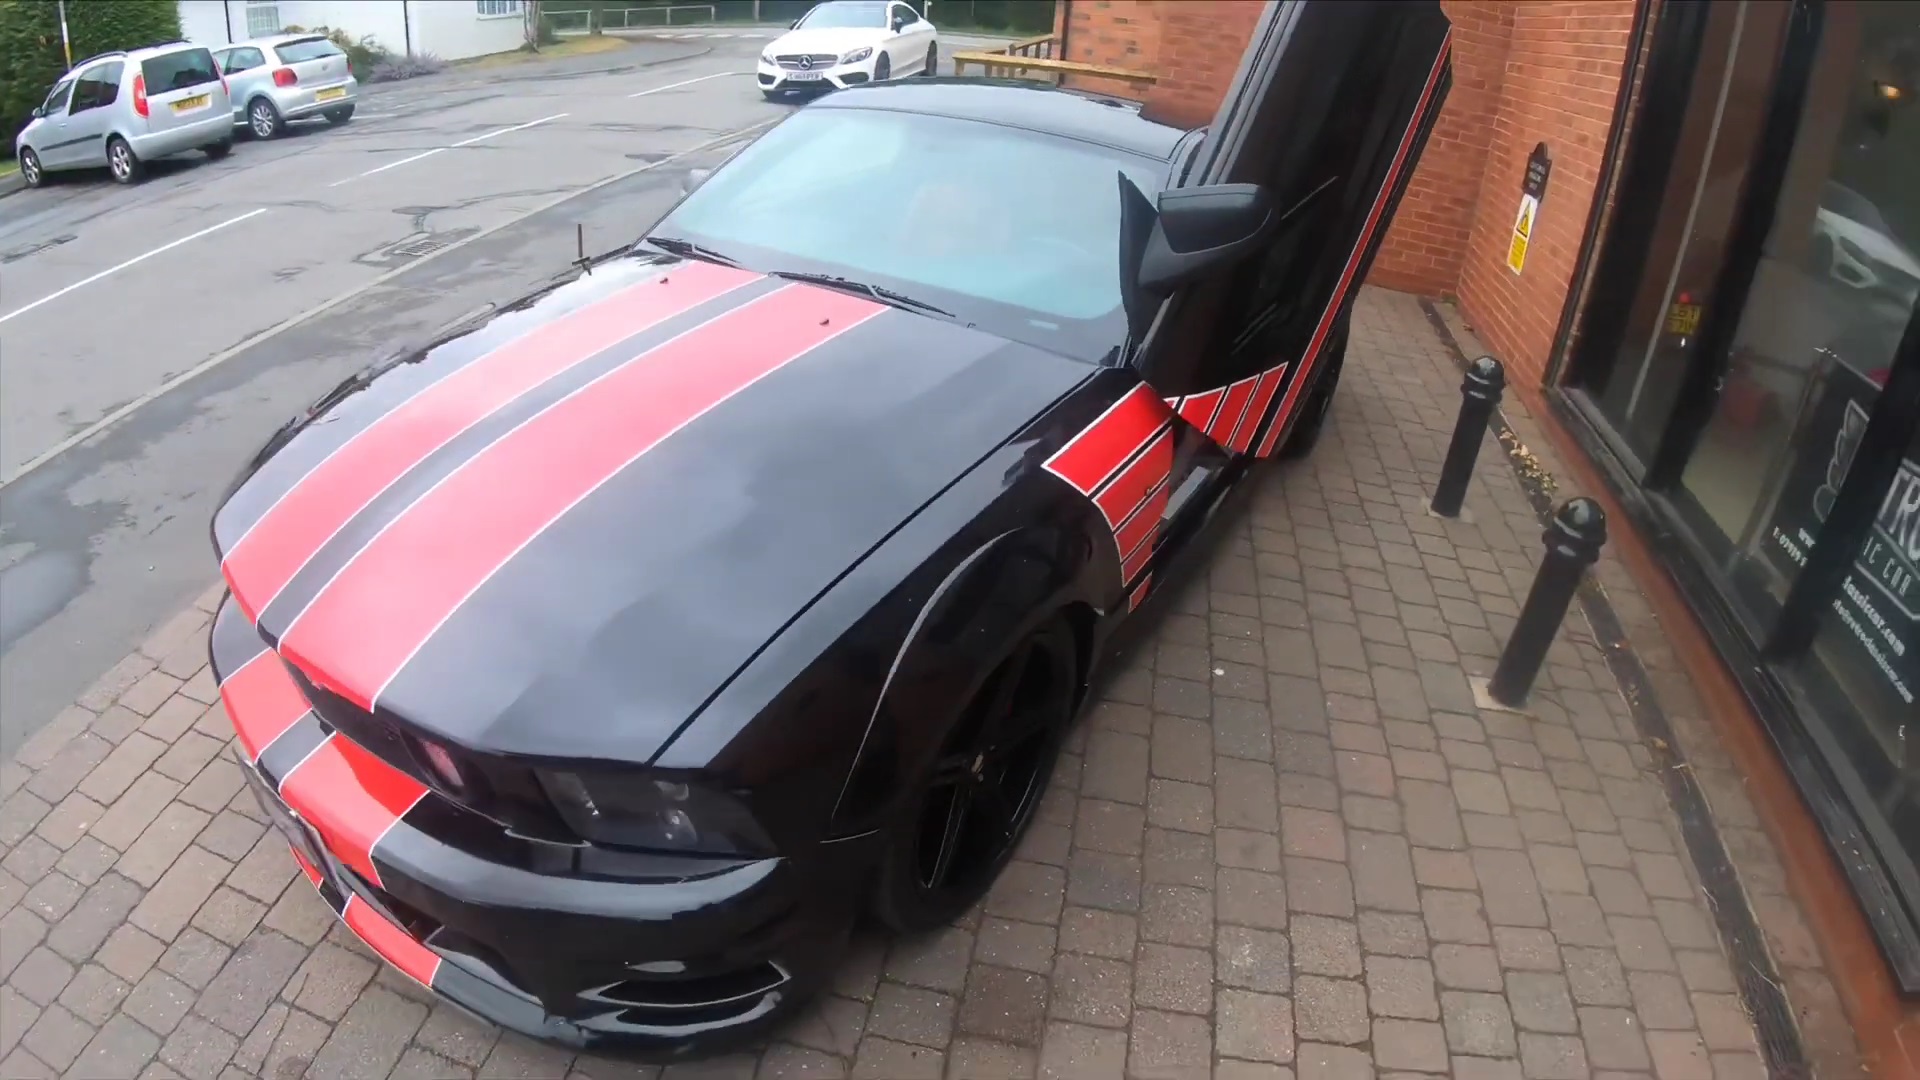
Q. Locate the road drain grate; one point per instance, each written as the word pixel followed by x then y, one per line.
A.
pixel 414 247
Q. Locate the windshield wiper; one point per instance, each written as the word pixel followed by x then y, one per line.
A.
pixel 687 249
pixel 884 295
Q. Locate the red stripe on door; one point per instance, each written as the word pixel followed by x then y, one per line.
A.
pixel 414 960
pixel 262 701
pixel 1228 418
pixel 1119 498
pixel 1135 538
pixel 1198 409
pixel 352 798
pixel 382 607
pixel 273 550
pixel 1263 392
pixel 1092 456
pixel 1311 358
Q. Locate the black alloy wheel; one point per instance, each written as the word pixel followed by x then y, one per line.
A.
pixel 882 69
pixel 984 787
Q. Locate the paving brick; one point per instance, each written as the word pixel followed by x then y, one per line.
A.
pixel 1467 967
pixel 1182 749
pixel 911 1015
pixel 1075 1051
pixel 1255 1026
pixel 57 1037
pixel 1106 880
pixel 1245 796
pixel 1541 1002
pixel 102 908
pixel 68 766
pixel 1330 1010
pixel 172 901
pixel 1166 1045
pixel 1005 1005
pixel 41 975
pixel 1029 891
pixel 67 822
pixel 159 1001
pixel 1679 1055
pixel 1318 887
pixel 1455 916
pixel 370 1038
pixel 1478 1024
pixel 1552 1057
pixel 162 843
pixel 936 960
pixel 120 1048
pixel 1401 987
pixel 135 810
pixel 215 785
pixel 53 896
pixel 17 1014
pixel 1410 1044
pixel 1173 978
pixel 1577 920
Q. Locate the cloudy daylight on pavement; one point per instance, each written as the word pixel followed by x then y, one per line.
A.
pixel 849 634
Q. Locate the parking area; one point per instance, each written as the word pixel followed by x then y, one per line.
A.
pixel 1286 842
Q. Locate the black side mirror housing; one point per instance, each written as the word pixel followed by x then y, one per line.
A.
pixel 1201 229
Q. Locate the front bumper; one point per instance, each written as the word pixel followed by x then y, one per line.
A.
pixel 776 79
pixel 654 955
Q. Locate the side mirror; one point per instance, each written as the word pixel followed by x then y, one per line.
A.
pixel 899 23
pixel 693 179
pixel 794 25
pixel 1199 230
pixel 39 112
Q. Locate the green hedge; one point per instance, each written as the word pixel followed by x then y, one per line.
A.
pixel 31 57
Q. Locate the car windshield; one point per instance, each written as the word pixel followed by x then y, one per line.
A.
pixel 1013 231
pixel 846 13
pixel 178 70
pixel 306 49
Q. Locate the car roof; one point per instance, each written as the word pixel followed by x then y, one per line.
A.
pixel 279 39
pixel 138 52
pixel 1019 103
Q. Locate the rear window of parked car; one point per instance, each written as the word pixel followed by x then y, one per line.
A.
pixel 308 49
pixel 179 70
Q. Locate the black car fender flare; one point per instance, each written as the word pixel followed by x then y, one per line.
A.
pixel 967 626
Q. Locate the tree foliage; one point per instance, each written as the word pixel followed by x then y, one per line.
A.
pixel 32 58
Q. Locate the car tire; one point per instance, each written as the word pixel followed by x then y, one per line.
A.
pixel 882 69
pixel 340 115
pixel 1015 727
pixel 263 120
pixel 123 164
pixel 30 171
pixel 1306 433
pixel 933 62
pixel 218 150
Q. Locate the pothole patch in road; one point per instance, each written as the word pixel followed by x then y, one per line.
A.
pixel 415 246
pixel 29 250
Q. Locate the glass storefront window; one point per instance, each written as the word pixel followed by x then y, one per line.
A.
pixel 1837 284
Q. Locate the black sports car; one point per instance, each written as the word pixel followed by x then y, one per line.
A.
pixel 604 662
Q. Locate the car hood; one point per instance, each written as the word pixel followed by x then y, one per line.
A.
pixel 1877 245
pixel 836 40
pixel 561 533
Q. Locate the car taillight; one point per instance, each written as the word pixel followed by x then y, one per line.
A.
pixel 140 94
pixel 285 77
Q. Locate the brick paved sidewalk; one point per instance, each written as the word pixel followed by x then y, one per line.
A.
pixel 1285 844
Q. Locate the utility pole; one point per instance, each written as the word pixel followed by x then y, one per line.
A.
pixel 66 45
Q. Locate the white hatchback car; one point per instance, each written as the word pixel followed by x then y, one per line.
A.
pixel 845 43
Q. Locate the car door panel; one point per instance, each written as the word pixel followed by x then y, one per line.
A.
pixel 246 71
pixel 94 94
pixel 1328 112
pixel 50 142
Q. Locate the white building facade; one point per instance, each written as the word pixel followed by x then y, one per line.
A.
pixel 448 29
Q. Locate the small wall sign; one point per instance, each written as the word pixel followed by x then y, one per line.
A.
pixel 1533 188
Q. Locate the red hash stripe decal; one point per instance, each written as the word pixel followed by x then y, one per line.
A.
pixel 1199 409
pixel 1092 456
pixel 1140 553
pixel 262 701
pixel 369 620
pixel 1263 392
pixel 1119 498
pixel 1139 592
pixel 1310 358
pixel 414 960
pixel 1227 421
pixel 291 531
pixel 1134 538
pixel 352 798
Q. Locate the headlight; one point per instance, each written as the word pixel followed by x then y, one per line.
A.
pixel 857 55
pixel 653 812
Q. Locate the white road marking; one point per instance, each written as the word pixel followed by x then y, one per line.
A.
pixel 143 257
pixel 322 308
pixel 452 146
pixel 688 82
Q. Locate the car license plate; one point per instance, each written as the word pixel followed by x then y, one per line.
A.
pixel 187 105
pixel 295 831
pixel 330 95
pixel 803 76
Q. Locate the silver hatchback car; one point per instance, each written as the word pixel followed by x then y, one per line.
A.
pixel 123 109
pixel 287 77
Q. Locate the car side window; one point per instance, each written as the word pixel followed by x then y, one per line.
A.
pixel 912 13
pixel 97 87
pixel 899 16
pixel 236 61
pixel 57 98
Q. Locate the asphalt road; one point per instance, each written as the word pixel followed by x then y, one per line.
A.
pixel 152 337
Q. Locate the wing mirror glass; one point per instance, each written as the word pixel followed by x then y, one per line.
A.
pixel 693 179
pixel 1198 230
pixel 39 112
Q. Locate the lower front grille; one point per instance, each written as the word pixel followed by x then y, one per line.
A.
pixel 669 998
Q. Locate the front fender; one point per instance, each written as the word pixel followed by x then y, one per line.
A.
pixel 990 600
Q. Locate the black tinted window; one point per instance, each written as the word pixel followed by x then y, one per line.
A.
pixel 846 14
pixel 178 70
pixel 57 98
pixel 97 87
pixel 309 49
pixel 238 60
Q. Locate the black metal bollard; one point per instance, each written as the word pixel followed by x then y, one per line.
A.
pixel 1574 539
pixel 1479 393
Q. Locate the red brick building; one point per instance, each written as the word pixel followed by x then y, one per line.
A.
pixel 1719 315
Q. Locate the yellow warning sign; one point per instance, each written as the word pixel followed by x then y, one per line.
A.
pixel 1522 233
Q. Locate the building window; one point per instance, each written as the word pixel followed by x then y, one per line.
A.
pixel 495 9
pixel 263 18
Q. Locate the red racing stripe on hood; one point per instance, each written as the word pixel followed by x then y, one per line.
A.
pixel 366 623
pixel 290 532
pixel 352 798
